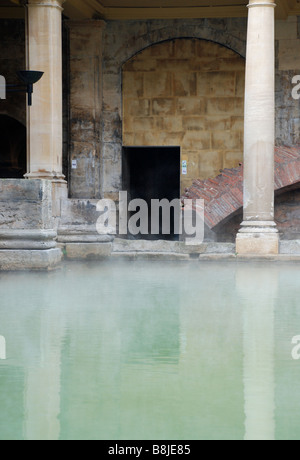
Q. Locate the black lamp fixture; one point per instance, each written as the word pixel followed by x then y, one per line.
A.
pixel 29 78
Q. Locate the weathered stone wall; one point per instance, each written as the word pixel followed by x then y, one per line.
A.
pixel 27 237
pixel 85 98
pixel 25 204
pixel 122 40
pixel 12 59
pixel 187 93
pixel 287 66
pixel 95 121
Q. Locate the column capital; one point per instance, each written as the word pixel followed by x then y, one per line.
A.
pixel 259 3
pixel 44 3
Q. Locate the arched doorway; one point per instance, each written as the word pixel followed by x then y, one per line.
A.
pixel 12 148
pixel 187 93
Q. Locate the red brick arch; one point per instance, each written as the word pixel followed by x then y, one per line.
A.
pixel 223 195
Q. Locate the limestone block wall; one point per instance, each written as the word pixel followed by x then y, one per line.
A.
pixel 287 66
pixel 93 89
pixel 122 41
pixel 85 103
pixel 25 204
pixel 85 98
pixel 187 93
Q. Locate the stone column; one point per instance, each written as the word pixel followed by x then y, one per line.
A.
pixel 44 118
pixel 258 233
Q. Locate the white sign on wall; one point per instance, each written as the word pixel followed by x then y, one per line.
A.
pixel 2 87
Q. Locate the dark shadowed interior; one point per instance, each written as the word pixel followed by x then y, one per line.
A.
pixel 152 173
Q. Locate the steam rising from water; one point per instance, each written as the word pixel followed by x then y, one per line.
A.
pixel 150 350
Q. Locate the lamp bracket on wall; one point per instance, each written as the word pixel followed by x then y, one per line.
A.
pixel 29 78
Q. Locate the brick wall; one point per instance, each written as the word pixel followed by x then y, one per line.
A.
pixel 287 218
pixel 187 93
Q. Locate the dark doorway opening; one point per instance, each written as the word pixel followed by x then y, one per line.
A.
pixel 152 173
pixel 12 148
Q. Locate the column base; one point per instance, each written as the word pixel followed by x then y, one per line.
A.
pixel 258 238
pixel 27 239
pixel 47 175
pixel 20 259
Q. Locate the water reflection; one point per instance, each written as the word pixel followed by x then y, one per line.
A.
pixel 43 381
pixel 150 351
pixel 30 380
pixel 258 289
pixel 2 347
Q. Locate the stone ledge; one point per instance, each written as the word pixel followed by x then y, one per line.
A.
pixel 216 256
pixel 271 257
pixel 289 247
pixel 206 257
pixel 220 248
pixel 87 251
pixel 165 247
pixel 17 260
pixel 144 246
pixel 167 256
pixel 81 234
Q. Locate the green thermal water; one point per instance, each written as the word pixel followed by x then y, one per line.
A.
pixel 150 350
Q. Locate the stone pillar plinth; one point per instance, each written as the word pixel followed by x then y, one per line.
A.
pixel 44 118
pixel 27 236
pixel 258 233
pixel 77 233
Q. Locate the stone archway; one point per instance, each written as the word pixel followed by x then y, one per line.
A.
pixel 187 93
pixel 121 42
pixel 12 148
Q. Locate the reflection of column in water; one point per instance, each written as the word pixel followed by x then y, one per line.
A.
pixel 42 387
pixel 258 288
pixel 2 347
